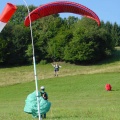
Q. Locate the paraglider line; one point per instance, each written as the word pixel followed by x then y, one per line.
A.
pixel 34 63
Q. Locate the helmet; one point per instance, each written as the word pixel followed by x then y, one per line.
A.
pixel 42 87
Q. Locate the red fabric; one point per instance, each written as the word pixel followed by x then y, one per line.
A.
pixel 60 7
pixel 108 87
pixel 7 12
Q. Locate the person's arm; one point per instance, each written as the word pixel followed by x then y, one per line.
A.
pixel 60 66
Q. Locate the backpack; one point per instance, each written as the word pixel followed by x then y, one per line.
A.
pixel 44 95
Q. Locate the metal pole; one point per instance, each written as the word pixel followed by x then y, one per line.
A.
pixel 34 63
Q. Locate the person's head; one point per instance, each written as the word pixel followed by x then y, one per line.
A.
pixel 42 88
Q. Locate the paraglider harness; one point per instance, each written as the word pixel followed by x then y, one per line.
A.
pixel 44 95
pixel 56 68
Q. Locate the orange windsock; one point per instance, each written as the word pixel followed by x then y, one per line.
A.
pixel 6 15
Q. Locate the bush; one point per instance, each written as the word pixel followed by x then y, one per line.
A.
pixel 43 62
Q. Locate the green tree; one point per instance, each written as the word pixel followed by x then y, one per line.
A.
pixel 16 45
pixel 44 30
pixel 19 16
pixel 89 44
pixel 115 34
pixel 69 39
pixel 56 46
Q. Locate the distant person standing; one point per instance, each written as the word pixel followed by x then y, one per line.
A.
pixel 56 68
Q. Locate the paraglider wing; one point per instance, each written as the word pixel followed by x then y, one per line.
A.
pixel 60 7
pixel 7 13
pixel 31 105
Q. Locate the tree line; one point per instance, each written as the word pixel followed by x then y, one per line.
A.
pixel 72 39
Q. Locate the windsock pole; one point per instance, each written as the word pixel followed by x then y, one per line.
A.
pixel 34 63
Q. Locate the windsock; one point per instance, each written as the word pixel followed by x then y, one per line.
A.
pixel 6 15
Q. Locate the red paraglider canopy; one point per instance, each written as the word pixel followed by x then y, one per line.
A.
pixel 60 7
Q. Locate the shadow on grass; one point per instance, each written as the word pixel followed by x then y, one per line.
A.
pixel 12 66
pixel 65 117
pixel 113 58
pixel 115 90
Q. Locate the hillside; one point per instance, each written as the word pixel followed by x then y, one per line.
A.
pixel 16 75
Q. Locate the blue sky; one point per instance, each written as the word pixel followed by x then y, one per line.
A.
pixel 107 10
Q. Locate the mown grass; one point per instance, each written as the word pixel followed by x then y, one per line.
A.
pixel 79 97
pixel 17 75
pixel 77 94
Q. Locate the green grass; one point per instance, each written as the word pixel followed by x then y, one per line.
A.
pixel 77 94
pixel 79 97
pixel 23 74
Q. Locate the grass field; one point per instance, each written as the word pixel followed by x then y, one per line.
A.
pixel 77 94
pixel 79 97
